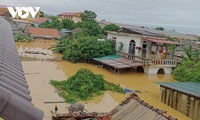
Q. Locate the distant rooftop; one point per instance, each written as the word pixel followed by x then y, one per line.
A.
pixel 69 13
pixel 189 88
pixel 44 32
pixel 41 20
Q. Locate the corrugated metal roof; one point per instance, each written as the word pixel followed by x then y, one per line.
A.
pixel 133 108
pixel 160 40
pixel 14 94
pixel 142 31
pixel 191 88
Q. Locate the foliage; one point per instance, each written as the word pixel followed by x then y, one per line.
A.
pixel 91 28
pixel 41 14
pixel 61 46
pixel 187 71
pixel 111 27
pixel 159 28
pixel 22 38
pixel 68 24
pixel 198 38
pixel 191 54
pixel 83 49
pixel 88 15
pixel 54 23
pixel 83 86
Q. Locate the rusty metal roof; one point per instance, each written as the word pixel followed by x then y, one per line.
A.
pixel 133 108
pixel 14 94
pixel 159 40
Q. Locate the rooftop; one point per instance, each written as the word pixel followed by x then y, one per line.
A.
pixel 69 13
pixel 189 88
pixel 15 99
pixel 159 40
pixel 43 32
pixel 134 107
pixel 41 20
pixel 141 31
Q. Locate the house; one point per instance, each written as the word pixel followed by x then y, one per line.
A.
pixel 146 45
pixel 38 21
pixel 132 108
pixel 15 97
pixel 4 11
pixel 74 16
pixel 182 96
pixel 135 108
pixel 44 33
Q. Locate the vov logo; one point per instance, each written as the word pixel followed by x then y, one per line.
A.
pixel 23 12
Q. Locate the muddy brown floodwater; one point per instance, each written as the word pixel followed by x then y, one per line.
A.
pixel 39 73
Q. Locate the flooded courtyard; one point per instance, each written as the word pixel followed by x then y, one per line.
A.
pixel 39 73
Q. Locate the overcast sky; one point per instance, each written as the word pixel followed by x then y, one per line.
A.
pixel 182 15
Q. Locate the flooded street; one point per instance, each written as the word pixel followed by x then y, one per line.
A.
pixel 39 73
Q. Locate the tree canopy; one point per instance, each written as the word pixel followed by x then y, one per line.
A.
pixel 111 27
pixel 57 24
pixel 83 85
pixel 83 49
pixel 187 71
pixel 88 15
pixel 160 28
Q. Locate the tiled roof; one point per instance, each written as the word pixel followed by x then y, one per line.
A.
pixel 41 20
pixel 14 94
pixel 44 32
pixel 69 13
pixel 133 108
pixel 3 12
pixel 191 88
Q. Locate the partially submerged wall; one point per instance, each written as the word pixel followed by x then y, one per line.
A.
pixel 186 104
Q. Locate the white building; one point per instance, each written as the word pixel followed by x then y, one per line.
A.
pixel 146 44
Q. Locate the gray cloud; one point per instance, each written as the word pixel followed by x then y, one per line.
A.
pixel 173 12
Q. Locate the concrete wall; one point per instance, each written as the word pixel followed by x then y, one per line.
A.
pixel 187 105
pixel 76 19
pixel 154 69
pixel 125 39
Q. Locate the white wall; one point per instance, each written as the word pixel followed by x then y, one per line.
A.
pixel 125 39
pixel 154 69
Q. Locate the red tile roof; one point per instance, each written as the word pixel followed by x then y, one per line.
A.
pixel 44 32
pixel 2 13
pixel 69 13
pixel 41 20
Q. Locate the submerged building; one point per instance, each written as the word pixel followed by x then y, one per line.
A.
pixel 15 99
pixel 149 46
pixel 182 96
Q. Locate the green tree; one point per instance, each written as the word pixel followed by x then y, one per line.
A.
pixel 111 27
pixel 54 23
pixel 41 14
pixel 160 28
pixel 91 28
pixel 68 24
pixel 88 15
pixel 187 71
pixel 83 49
pixel 83 86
